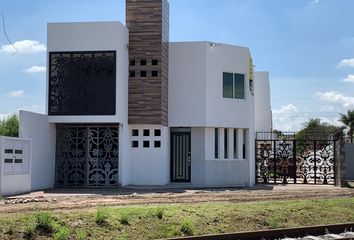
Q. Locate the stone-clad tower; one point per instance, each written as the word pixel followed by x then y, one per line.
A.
pixel 148 24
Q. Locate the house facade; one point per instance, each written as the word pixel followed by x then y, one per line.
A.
pixel 127 107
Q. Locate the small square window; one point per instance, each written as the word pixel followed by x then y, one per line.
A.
pixel 135 144
pixel 135 133
pixel 143 62
pixel 143 74
pixel 146 144
pixel 157 133
pixel 132 63
pixel 155 62
pixel 146 132
pixel 157 144
pixel 132 74
pixel 154 73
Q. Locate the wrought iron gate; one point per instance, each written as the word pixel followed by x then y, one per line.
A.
pixel 287 158
pixel 87 156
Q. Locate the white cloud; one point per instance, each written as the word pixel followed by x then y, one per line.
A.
pixel 346 63
pixel 287 118
pixel 16 93
pixel 286 109
pixel 25 46
pixel 349 79
pixel 315 1
pixel 35 69
pixel 335 97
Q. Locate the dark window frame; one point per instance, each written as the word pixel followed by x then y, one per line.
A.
pixel 216 143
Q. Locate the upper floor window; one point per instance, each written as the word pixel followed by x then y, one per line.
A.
pixel 233 85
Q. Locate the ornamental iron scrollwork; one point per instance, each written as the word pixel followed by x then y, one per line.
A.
pixel 87 156
pixel 82 83
pixel 287 161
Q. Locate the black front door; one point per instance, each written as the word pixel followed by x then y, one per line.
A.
pixel 180 155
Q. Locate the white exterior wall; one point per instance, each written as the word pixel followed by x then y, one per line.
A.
pixel 15 178
pixel 36 127
pixel 263 111
pixel 150 166
pixel 196 100
pixel 187 85
pixel 95 36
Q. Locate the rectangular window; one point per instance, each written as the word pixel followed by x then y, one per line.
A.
pixel 18 160
pixel 157 133
pixel 132 74
pixel 135 144
pixel 244 152
pixel 18 151
pixel 143 74
pixel 157 144
pixel 228 85
pixel 8 160
pixel 135 132
pixel 154 73
pixel 132 63
pixel 233 85
pixel 154 62
pixel 9 151
pixel 146 144
pixel 146 133
pixel 143 62
pixel 226 143
pixel 216 146
pixel 235 144
pixel 239 86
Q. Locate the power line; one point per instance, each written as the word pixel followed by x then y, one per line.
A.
pixel 6 36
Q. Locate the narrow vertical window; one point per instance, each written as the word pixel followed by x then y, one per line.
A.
pixel 244 153
pixel 216 146
pixel 226 143
pixel 228 85
pixel 239 89
pixel 235 143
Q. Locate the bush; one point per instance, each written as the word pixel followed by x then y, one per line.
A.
pixel 124 219
pixel 62 233
pixel 9 126
pixel 44 223
pixel 159 213
pixel 29 232
pixel 101 216
pixel 187 227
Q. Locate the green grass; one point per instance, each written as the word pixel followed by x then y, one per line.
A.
pixel 173 220
pixel 2 198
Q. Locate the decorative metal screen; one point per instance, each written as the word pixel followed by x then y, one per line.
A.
pixel 87 156
pixel 286 160
pixel 82 83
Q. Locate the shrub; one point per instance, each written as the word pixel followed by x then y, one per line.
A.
pixel 10 230
pixel 62 233
pixel 124 219
pixel 44 223
pixel 29 232
pixel 171 232
pixel 187 227
pixel 159 213
pixel 101 216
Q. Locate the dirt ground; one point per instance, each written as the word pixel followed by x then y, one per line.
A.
pixel 70 199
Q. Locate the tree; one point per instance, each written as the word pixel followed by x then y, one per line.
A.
pixel 9 126
pixel 348 121
pixel 314 128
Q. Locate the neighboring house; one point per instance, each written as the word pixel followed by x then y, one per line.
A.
pixel 126 107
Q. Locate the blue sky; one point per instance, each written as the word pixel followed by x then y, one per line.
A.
pixel 307 45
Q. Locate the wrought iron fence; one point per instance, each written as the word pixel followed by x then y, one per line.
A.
pixel 286 159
